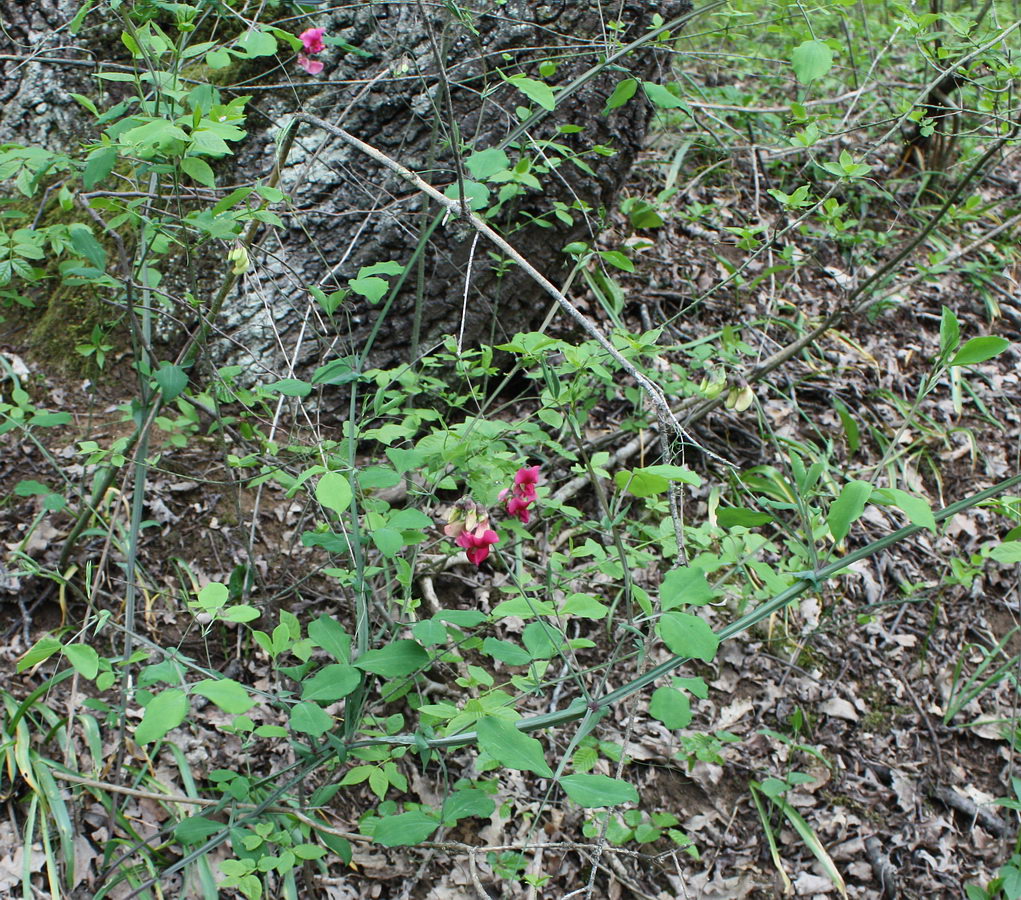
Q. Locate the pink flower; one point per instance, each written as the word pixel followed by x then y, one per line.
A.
pixel 312 41
pixel 517 506
pixel 525 480
pixel 312 66
pixel 522 495
pixel 477 543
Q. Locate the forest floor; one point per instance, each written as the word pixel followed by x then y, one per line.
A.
pixel 851 685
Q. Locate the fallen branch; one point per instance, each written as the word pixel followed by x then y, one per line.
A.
pixel 882 868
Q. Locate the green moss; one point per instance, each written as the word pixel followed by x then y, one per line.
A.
pixel 67 320
pixel 881 712
pixel 64 315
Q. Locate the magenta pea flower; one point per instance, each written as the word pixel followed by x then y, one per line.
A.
pixel 525 480
pixel 522 495
pixel 312 40
pixel 468 525
pixel 518 507
pixel 312 43
pixel 477 543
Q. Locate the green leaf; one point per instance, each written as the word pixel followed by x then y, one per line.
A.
pixel 542 640
pixel 198 170
pixel 337 371
pixel 257 43
pixel 154 134
pixel 308 851
pixel 526 607
pixel 949 333
pixel 811 60
pixel 98 164
pixel 329 634
pixel 847 508
pixel 1007 552
pixel 226 693
pixel 41 651
pixel 506 652
pixel 240 613
pixel 409 519
pixel 538 91
pixel 663 97
pixel 623 92
pixel 1011 887
pixel 979 350
pixel 376 477
pixel 50 420
pixel 196 829
pixel 171 380
pixel 510 747
pixel 334 492
pixel 467 802
pixel 394 660
pixel 86 245
pixel 309 718
pixel 84 659
pixel 641 483
pixel 685 585
pixel 476 195
pixel 851 431
pixel 164 712
pixel 594 791
pixel 331 683
pixel 733 516
pixel 484 164
pixel 584 606
pixel 76 23
pixel 218 59
pixel 671 706
pixel 290 387
pixel 213 595
pixel 86 103
pixel 618 259
pixel 674 473
pixel 388 541
pixel 462 618
pixel 371 287
pixel 405 830
pixel 687 635
pixel 917 509
pixel 429 632
pixel 388 267
pixel 31 488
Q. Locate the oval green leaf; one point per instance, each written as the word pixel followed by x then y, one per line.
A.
pixel 595 791
pixel 334 492
pixel 164 712
pixel 847 508
pixel 226 693
pixel 84 659
pixel 510 747
pixel 330 683
pixel 979 350
pixel 688 636
pixel 405 830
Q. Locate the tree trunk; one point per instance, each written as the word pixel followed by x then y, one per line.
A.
pixel 425 84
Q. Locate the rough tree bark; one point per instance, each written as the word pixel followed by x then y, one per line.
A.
pixel 426 79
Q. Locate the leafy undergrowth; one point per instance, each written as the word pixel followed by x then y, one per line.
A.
pixel 721 606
